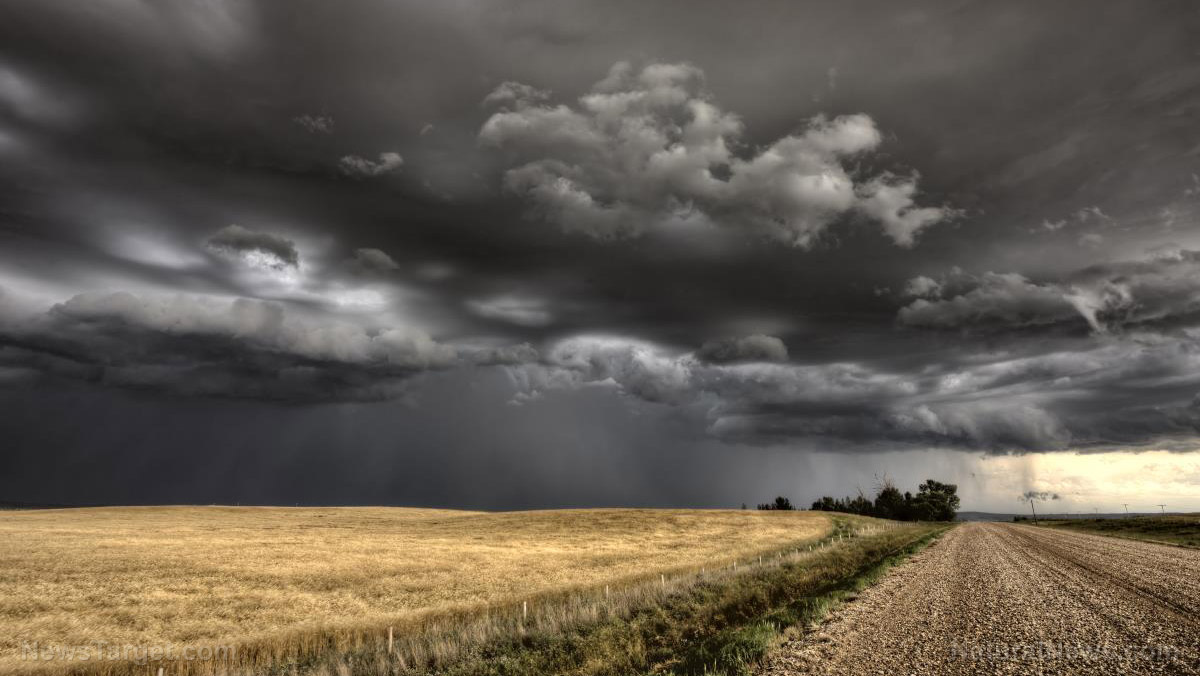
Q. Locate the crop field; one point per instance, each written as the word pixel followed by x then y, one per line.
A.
pixel 1176 529
pixel 182 576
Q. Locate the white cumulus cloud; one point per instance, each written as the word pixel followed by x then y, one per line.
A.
pixel 359 167
pixel 643 146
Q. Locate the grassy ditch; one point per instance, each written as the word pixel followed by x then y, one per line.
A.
pixel 717 621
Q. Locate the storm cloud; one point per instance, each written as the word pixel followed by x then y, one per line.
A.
pixel 638 229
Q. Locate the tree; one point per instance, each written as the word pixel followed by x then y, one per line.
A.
pixel 889 503
pixel 781 504
pixel 860 504
pixel 825 504
pixel 936 501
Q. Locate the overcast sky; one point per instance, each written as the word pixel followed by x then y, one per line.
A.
pixel 536 254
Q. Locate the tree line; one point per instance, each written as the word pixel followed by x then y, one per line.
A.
pixel 934 501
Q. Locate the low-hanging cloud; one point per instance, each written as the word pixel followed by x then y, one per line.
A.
pixel 373 260
pixel 649 146
pixel 922 287
pixel 199 345
pixel 1071 399
pixel 1006 300
pixel 315 124
pixel 519 310
pixel 745 348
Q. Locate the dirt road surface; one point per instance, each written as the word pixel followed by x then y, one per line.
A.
pixel 1009 599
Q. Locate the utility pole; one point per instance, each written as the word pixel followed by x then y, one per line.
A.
pixel 1126 509
pixel 1031 507
pixel 1164 509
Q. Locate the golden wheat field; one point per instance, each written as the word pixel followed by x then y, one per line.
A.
pixel 219 575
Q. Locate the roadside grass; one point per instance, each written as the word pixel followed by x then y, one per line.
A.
pixel 739 649
pixel 719 621
pixel 1182 529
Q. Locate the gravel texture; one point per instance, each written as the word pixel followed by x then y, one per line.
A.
pixel 1012 599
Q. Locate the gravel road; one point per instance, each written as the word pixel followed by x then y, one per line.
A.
pixel 1009 599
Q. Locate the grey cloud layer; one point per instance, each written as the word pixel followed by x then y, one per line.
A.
pixel 1160 289
pixel 1132 381
pixel 128 149
pixel 1132 391
pixel 649 146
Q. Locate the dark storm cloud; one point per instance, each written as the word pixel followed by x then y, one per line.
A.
pixel 584 449
pixel 1040 495
pixel 998 166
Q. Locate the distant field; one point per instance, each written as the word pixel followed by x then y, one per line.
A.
pixel 212 575
pixel 1181 529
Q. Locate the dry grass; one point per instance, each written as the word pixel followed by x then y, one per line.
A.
pixel 1176 529
pixel 717 622
pixel 274 576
